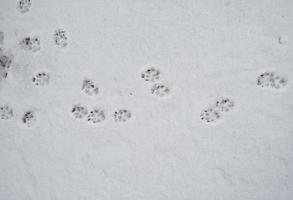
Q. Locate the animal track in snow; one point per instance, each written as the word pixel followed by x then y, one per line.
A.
pixel 60 38
pixel 271 80
pixel 6 112
pixel 79 111
pixel 89 88
pixel 151 74
pixel 160 90
pixel 209 115
pixel 96 116
pixel 31 43
pixel 24 6
pixel 41 79
pixel 5 63
pixel 29 118
pixel 122 115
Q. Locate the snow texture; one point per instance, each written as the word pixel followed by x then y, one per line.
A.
pixel 146 100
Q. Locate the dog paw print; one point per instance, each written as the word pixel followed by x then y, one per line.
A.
pixel 41 79
pixel 29 118
pixel 151 74
pixel 24 5
pixel 6 112
pixel 31 43
pixel 96 116
pixel 225 105
pixel 122 115
pixel 5 63
pixel 160 90
pixel 78 111
pixel 271 80
pixel 89 88
pixel 210 115
pixel 60 38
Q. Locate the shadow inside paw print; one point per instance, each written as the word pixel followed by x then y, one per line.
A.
pixel 96 116
pixel 224 105
pixel 24 5
pixel 41 79
pixel 60 38
pixel 31 43
pixel 29 118
pixel 271 80
pixel 160 90
pixel 151 75
pixel 78 111
pixel 122 115
pixel 5 63
pixel 209 115
pixel 6 112
pixel 89 88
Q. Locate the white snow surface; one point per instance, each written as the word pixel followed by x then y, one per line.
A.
pixel 204 49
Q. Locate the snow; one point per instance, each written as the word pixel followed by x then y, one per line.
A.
pixel 156 146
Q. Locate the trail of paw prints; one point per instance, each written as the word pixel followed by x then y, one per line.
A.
pixel 89 87
pixel 29 118
pixel 31 43
pixel 6 112
pixel 158 88
pixel 60 38
pixel 122 116
pixel 215 112
pixel 5 64
pixel 92 116
pixel 41 79
pixel 271 80
pixel 24 6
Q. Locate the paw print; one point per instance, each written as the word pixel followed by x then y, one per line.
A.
pixel 29 118
pixel 24 5
pixel 96 116
pixel 78 111
pixel 5 61
pixel 122 115
pixel 160 90
pixel 151 75
pixel 32 43
pixel 41 79
pixel 271 80
pixel 209 115
pixel 60 38
pixel 225 105
pixel 89 88
pixel 6 112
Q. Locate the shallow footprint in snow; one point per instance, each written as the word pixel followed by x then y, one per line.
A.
pixel 5 64
pixel 60 38
pixel 271 80
pixel 29 118
pixel 96 116
pixel 6 112
pixel 78 111
pixel 41 79
pixel 160 90
pixel 31 43
pixel 24 6
pixel 224 105
pixel 89 87
pixel 1 37
pixel 122 115
pixel 151 74
pixel 210 115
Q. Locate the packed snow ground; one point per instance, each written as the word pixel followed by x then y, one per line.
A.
pixel 146 100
